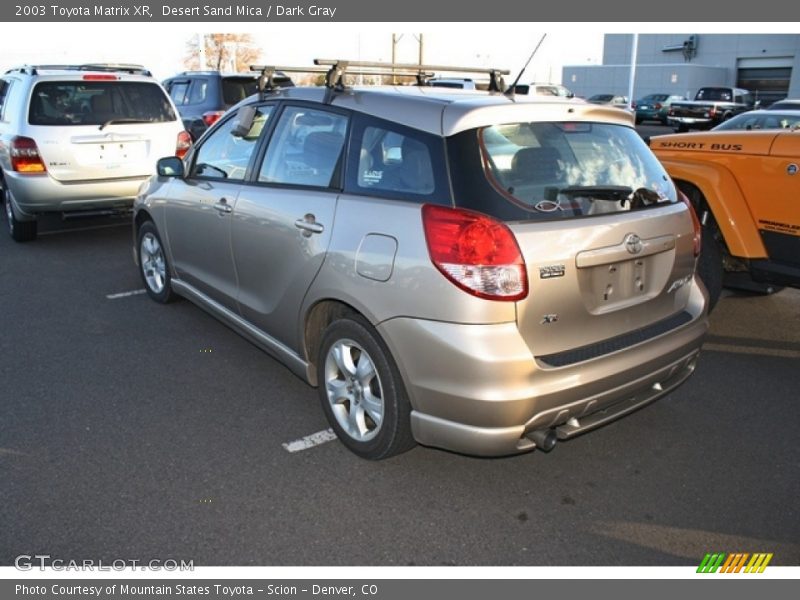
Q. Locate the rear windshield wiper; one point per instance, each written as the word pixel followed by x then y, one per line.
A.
pixel 602 192
pixel 622 193
pixel 117 121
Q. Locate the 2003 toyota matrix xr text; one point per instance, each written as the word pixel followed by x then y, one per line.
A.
pixel 467 270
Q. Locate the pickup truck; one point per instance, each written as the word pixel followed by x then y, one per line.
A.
pixel 711 106
pixel 745 187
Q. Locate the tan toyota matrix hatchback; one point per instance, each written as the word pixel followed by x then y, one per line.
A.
pixel 475 271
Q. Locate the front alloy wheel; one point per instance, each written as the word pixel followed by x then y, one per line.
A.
pixel 153 264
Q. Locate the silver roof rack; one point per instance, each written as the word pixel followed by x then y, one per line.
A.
pixel 335 71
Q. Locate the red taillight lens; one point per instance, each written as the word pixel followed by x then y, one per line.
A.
pixel 475 252
pixel 183 145
pixel 212 116
pixel 698 228
pixel 100 77
pixel 25 156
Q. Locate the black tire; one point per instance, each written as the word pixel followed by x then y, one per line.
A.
pixel 20 231
pixel 709 265
pixel 154 267
pixel 681 129
pixel 361 391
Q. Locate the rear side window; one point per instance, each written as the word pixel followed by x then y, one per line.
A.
pixel 521 171
pixel 97 102
pixel 5 86
pixel 389 160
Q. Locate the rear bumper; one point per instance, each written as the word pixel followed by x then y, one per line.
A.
pixel 477 389
pixel 34 194
pixel 696 122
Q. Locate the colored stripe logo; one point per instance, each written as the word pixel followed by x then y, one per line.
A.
pixel 737 562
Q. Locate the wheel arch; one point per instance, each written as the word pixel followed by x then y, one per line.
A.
pixel 719 190
pixel 318 317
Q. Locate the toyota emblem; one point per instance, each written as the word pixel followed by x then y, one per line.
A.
pixel 633 243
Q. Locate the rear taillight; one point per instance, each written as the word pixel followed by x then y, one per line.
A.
pixel 477 253
pixel 698 228
pixel 100 77
pixel 25 156
pixel 212 116
pixel 183 145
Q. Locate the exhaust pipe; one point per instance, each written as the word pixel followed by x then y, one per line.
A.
pixel 545 439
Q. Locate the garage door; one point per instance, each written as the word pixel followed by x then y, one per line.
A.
pixel 767 78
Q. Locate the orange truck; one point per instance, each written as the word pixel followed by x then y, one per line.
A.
pixel 745 187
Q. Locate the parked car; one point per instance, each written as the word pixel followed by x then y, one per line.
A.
pixel 762 119
pixel 654 107
pixel 380 243
pixel 710 107
pixel 80 140
pixel 785 104
pixel 744 185
pixel 543 89
pixel 610 99
pixel 202 97
pixel 455 83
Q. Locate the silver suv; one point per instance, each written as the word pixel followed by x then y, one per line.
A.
pixel 466 270
pixel 80 140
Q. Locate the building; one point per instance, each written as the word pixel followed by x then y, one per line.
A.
pixel 766 64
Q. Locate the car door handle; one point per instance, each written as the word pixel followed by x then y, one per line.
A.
pixel 309 225
pixel 223 207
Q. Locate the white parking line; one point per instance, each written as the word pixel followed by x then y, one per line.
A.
pixel 126 294
pixel 315 439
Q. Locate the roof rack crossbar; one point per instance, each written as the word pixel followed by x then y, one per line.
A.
pixel 420 71
pixel 336 69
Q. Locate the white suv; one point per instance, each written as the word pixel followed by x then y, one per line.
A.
pixel 80 140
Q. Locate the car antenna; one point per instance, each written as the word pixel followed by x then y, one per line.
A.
pixel 510 91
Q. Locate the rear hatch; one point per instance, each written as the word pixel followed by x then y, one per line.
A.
pixel 607 244
pixel 103 128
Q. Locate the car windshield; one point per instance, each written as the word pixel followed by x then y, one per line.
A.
pixel 601 98
pixel 563 170
pixel 98 103
pixel 763 120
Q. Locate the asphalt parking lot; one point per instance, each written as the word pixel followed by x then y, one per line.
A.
pixel 132 430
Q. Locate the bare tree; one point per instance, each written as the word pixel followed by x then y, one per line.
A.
pixel 224 51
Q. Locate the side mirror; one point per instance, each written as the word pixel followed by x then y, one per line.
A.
pixel 170 166
pixel 244 121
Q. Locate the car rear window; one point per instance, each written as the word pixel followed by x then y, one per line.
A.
pixel 98 102
pixel 236 89
pixel 523 171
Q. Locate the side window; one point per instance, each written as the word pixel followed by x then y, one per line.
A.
pixel 5 86
pixel 226 156
pixel 177 91
pixel 197 92
pixel 394 161
pixel 305 148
